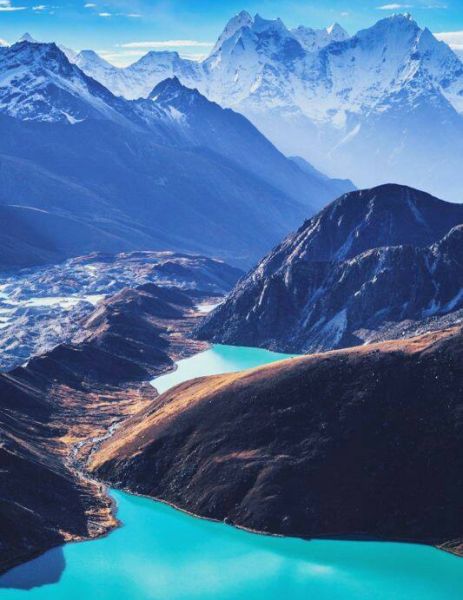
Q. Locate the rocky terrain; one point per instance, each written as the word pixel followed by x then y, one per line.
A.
pixel 42 307
pixel 56 409
pixel 373 265
pixel 359 443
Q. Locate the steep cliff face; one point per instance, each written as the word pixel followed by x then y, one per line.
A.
pixel 57 407
pixel 372 265
pixel 360 442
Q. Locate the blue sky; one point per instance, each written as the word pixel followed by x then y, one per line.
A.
pixel 190 25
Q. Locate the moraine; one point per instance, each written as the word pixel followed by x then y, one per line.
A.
pixel 164 553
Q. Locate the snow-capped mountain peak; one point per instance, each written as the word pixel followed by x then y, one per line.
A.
pixel 26 37
pixel 38 83
pixel 170 90
pixel 313 40
pixel 243 19
pixel 260 24
pixel 139 79
pixel 337 32
pixel 252 35
pixel 348 93
pixel 70 54
pixel 89 60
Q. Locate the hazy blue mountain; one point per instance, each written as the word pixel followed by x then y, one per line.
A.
pixel 174 171
pixel 385 104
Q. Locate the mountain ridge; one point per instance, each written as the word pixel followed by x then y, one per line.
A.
pixel 143 161
pixel 383 105
pixel 311 446
pixel 324 286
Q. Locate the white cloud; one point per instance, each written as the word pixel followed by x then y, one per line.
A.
pixel 39 7
pixel 421 6
pixel 168 44
pixel 104 14
pixel 193 56
pixel 453 38
pixel 129 15
pixel 394 6
pixel 121 58
pixel 6 6
pixel 89 5
pixel 3 43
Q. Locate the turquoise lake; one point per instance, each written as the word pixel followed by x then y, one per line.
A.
pixel 161 553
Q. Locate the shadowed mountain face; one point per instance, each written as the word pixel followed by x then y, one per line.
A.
pixel 374 264
pixel 174 171
pixel 22 238
pixel 361 442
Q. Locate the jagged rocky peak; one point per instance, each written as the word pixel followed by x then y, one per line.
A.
pixel 26 37
pixel 242 19
pixel 173 96
pixel 337 32
pixel 400 32
pixel 260 24
pixel 315 39
pixel 43 85
pixel 70 54
pixel 324 286
pixel 254 34
pixel 385 91
pixel 387 215
pixel 29 63
pixel 168 89
pixel 397 21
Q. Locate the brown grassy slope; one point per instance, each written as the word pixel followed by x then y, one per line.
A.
pixel 367 441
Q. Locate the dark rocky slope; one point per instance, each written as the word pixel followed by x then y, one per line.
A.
pixel 372 265
pixel 57 407
pixel 360 442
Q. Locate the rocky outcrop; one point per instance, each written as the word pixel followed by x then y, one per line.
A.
pixel 58 407
pixel 375 264
pixel 43 307
pixel 361 442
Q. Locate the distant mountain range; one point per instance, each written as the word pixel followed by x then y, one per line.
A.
pixel 84 170
pixel 383 105
pixel 375 264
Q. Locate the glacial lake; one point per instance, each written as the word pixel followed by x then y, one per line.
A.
pixel 163 554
